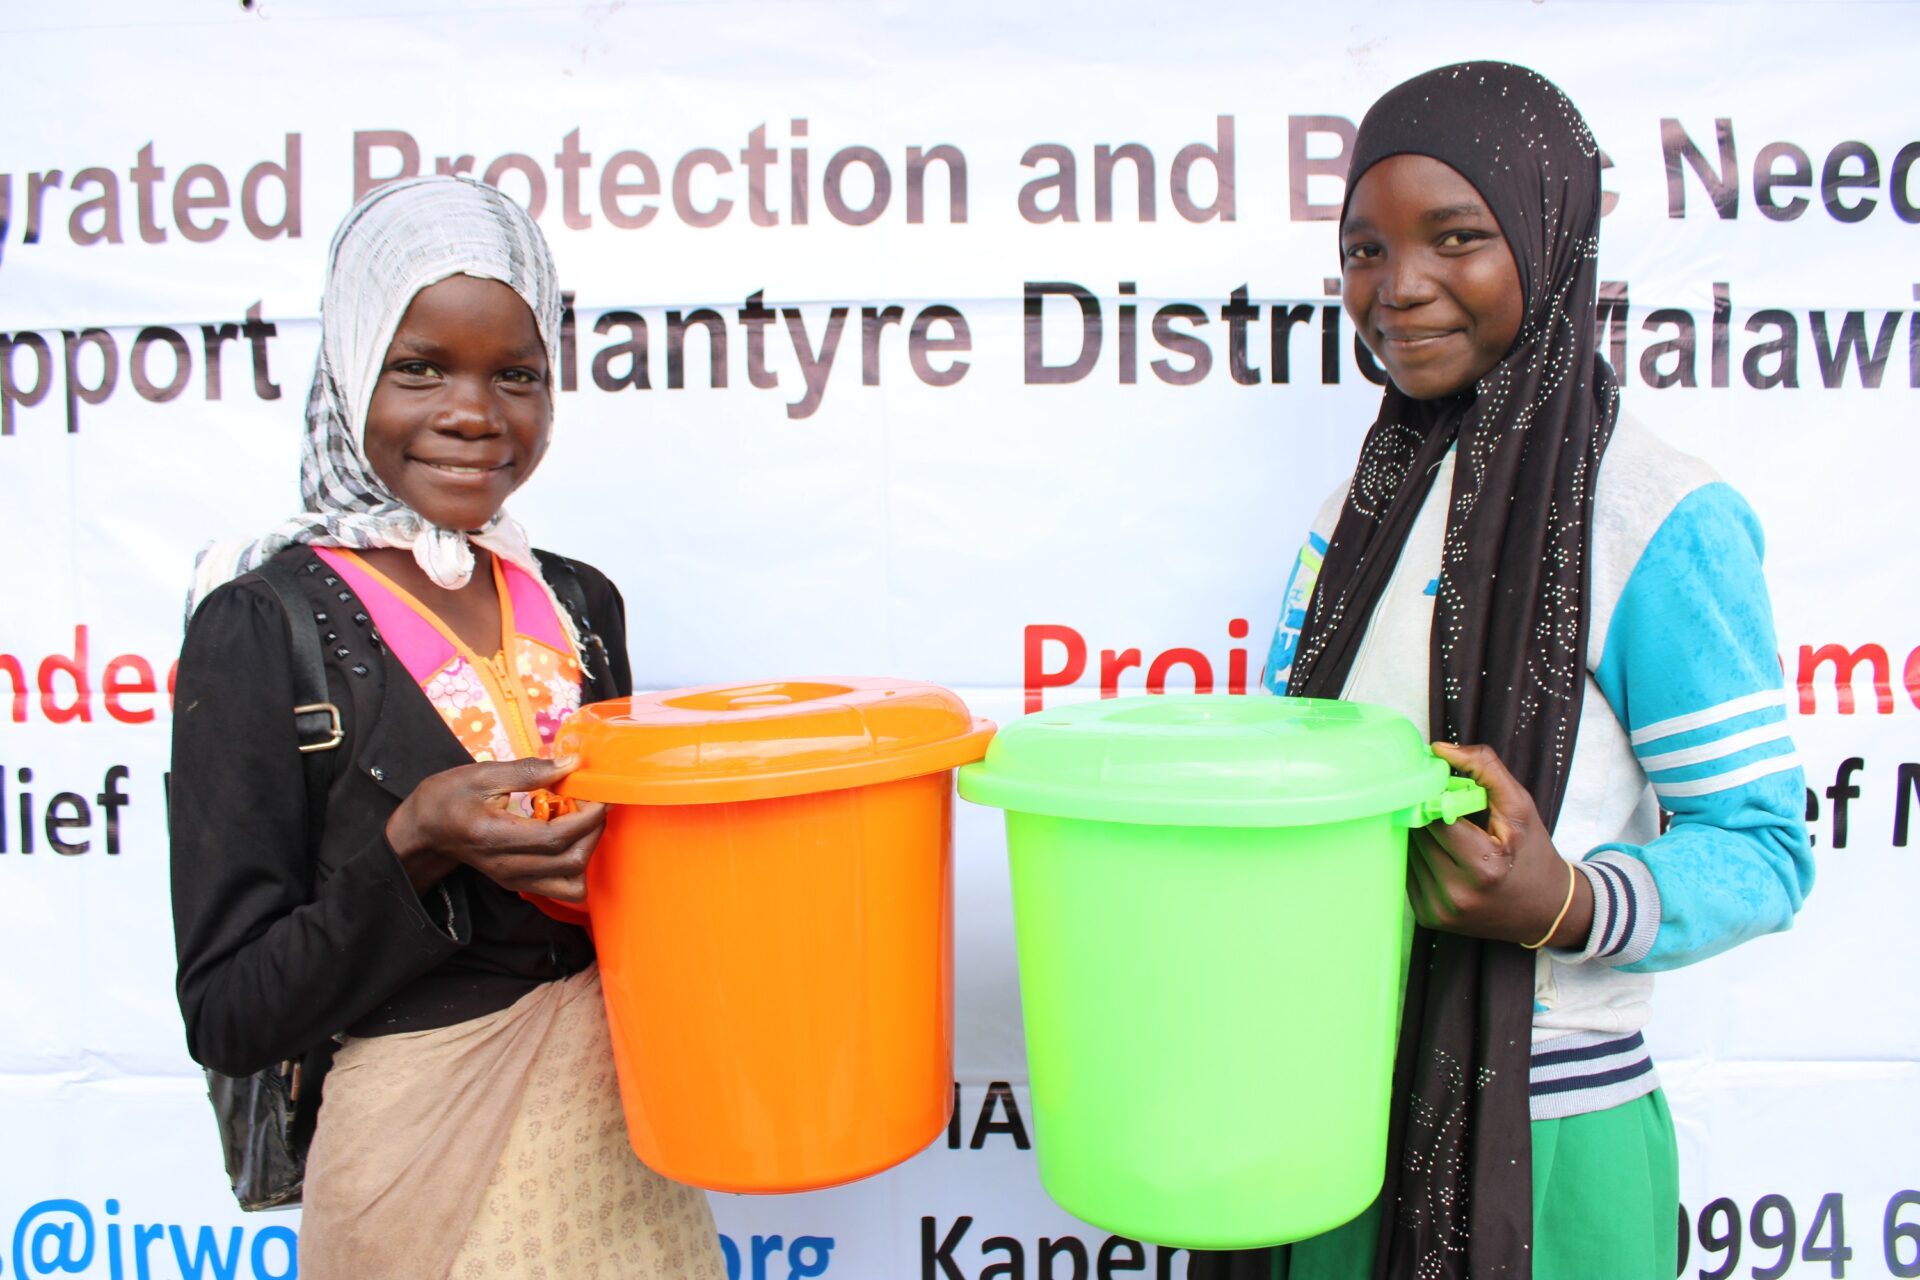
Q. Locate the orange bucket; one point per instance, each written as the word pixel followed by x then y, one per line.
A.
pixel 772 902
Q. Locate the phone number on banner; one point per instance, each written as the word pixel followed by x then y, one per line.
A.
pixel 1767 1234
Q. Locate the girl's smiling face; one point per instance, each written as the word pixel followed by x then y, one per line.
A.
pixel 463 408
pixel 1427 276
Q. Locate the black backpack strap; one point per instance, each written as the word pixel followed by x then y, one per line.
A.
pixel 561 576
pixel 316 720
pixel 267 1119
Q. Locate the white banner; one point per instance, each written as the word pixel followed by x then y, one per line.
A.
pixel 996 348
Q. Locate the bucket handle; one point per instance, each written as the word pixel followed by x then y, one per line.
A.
pixel 546 806
pixel 1462 797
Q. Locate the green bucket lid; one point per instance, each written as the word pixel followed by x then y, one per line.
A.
pixel 1218 760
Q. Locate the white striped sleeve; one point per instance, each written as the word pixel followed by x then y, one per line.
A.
pixel 1689 665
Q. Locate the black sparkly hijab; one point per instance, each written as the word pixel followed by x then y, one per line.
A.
pixel 1509 633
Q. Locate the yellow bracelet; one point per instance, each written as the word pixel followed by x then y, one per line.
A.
pixel 1572 876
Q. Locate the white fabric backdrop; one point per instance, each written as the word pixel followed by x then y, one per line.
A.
pixel 902 527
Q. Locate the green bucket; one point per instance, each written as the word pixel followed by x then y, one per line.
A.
pixel 1209 899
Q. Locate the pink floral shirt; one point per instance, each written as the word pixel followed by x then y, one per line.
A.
pixel 504 706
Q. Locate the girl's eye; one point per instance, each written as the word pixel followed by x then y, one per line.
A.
pixel 1354 252
pixel 1461 239
pixel 528 376
pixel 415 368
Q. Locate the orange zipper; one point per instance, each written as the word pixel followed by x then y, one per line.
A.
pixel 513 697
pixel 518 707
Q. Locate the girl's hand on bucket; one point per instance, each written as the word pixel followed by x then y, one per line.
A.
pixel 1505 882
pixel 465 815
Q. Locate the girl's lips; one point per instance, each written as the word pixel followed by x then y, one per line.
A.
pixel 458 476
pixel 457 469
pixel 1415 341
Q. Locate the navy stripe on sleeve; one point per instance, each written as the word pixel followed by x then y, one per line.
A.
pixel 1611 920
pixel 1633 909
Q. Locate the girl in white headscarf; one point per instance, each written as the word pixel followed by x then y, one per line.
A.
pixel 470 1124
pixel 401 239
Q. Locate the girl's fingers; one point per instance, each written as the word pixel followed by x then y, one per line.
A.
pixel 526 872
pixel 1466 844
pixel 561 889
pixel 1490 882
pixel 1511 813
pixel 585 822
pixel 471 819
pixel 1423 889
pixel 495 825
pixel 504 777
pixel 1504 792
pixel 1425 845
pixel 583 847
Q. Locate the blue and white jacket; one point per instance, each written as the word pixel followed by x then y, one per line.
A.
pixel 1685 712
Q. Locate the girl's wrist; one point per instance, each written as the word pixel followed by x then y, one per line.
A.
pixel 402 834
pixel 1571 933
pixel 424 868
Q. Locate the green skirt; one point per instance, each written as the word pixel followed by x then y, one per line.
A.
pixel 1606 1201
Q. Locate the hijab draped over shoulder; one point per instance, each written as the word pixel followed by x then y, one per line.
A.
pixel 1509 631
pixel 398 240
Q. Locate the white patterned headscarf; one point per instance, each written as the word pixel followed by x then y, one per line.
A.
pixel 397 241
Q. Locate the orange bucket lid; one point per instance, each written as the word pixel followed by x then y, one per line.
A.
pixel 722 743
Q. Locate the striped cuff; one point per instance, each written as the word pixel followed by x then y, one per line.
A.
pixel 1626 910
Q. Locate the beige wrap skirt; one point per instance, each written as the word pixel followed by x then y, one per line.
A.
pixel 493 1148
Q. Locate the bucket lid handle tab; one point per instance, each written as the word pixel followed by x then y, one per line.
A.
pixel 1462 797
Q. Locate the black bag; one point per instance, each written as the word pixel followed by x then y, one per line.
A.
pixel 266 1119
pixel 266 1124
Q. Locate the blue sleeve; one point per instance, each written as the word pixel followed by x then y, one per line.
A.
pixel 1293 615
pixel 1691 668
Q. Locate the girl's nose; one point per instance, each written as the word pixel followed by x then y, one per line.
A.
pixel 1403 284
pixel 469 408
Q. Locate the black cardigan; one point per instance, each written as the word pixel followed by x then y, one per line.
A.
pixel 282 944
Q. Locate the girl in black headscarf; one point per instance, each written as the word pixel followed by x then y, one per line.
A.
pixel 1460 581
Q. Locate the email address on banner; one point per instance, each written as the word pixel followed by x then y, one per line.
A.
pixel 63 1237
